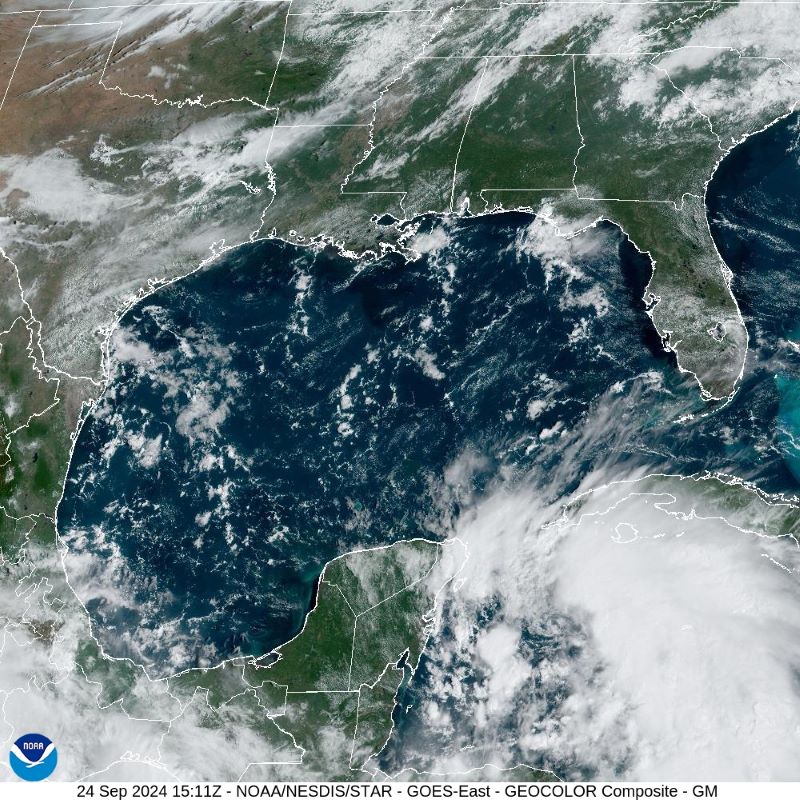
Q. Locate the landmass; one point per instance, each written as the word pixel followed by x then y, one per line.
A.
pixel 142 141
pixel 321 706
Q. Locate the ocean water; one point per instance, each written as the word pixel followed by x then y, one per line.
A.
pixel 283 406
pixel 754 213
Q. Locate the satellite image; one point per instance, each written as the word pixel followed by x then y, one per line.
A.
pixel 400 390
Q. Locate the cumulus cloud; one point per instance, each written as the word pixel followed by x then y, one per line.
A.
pixel 52 184
pixel 436 239
pixel 629 637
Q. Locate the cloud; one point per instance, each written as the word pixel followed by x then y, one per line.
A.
pixel 432 241
pixel 52 184
pixel 629 638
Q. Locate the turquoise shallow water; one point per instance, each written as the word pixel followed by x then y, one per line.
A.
pixel 788 388
pixel 754 209
pixel 754 212
pixel 283 406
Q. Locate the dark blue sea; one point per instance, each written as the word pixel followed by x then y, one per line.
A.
pixel 285 405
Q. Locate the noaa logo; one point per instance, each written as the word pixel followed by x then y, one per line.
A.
pixel 33 757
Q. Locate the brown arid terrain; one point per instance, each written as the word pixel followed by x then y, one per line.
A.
pixel 141 141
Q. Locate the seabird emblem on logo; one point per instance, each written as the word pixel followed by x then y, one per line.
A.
pixel 33 757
